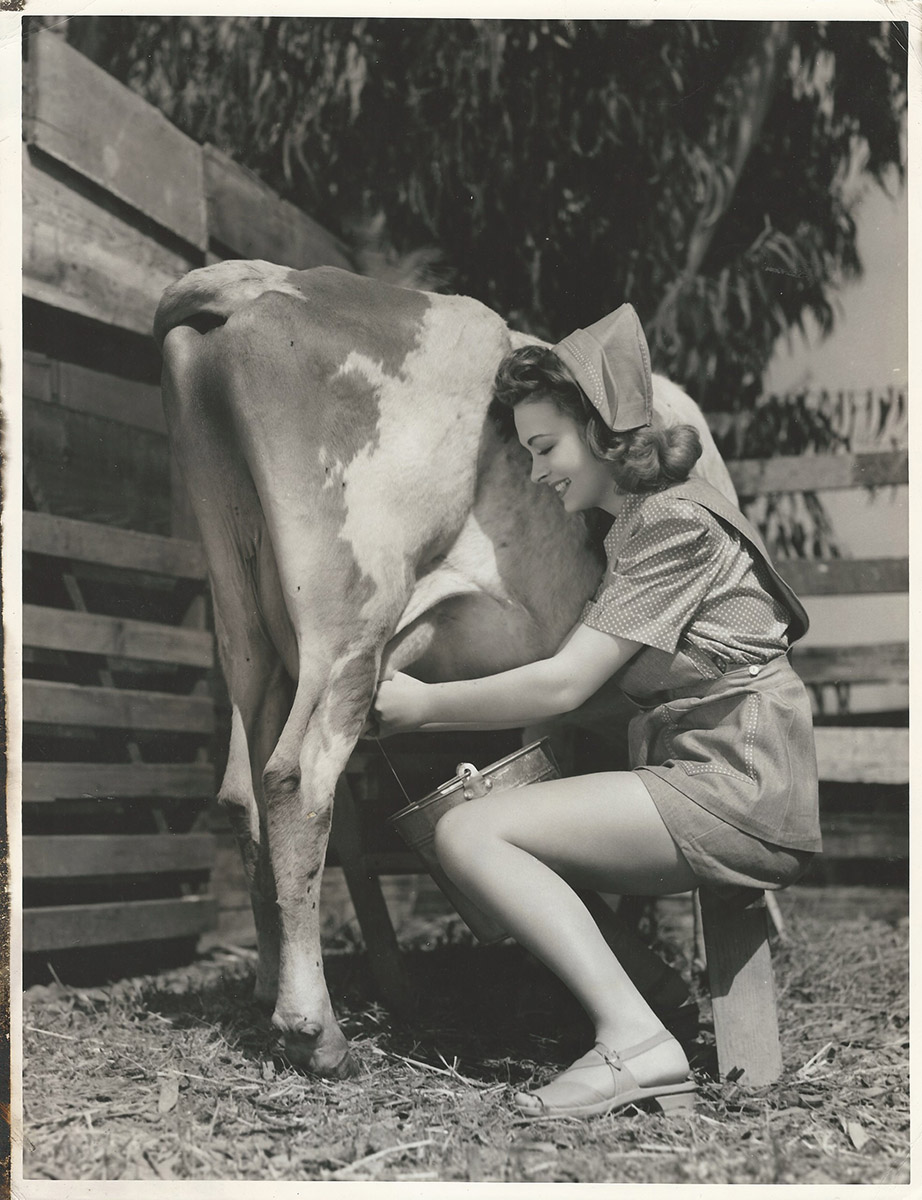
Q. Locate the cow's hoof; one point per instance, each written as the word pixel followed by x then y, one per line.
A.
pixel 335 1061
pixel 316 1047
pixel 347 1067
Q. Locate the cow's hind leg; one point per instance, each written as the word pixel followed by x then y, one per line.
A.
pixel 299 782
pixel 251 743
pixel 238 800
pixel 252 627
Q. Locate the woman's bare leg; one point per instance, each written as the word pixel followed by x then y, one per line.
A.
pixel 520 855
pixel 661 985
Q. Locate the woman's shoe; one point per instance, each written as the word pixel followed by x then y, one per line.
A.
pixel 613 1086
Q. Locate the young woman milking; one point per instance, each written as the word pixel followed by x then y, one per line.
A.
pixel 695 623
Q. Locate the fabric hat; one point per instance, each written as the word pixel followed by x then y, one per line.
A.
pixel 611 363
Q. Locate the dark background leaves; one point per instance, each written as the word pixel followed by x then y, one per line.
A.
pixel 560 167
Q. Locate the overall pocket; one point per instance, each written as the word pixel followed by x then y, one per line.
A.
pixel 714 734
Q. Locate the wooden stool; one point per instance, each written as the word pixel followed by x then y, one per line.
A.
pixel 742 986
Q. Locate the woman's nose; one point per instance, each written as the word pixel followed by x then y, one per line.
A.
pixel 538 471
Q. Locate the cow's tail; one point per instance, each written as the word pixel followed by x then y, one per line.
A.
pixel 207 297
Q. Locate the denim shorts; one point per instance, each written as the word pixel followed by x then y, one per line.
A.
pixel 723 857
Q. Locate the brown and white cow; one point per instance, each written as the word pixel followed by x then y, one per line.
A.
pixel 361 514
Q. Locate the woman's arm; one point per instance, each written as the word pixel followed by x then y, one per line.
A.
pixel 512 698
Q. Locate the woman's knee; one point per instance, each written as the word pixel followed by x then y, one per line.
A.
pixel 458 834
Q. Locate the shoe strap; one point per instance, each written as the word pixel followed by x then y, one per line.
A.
pixel 615 1058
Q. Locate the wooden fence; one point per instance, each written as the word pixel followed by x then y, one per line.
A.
pixel 863 763
pixel 119 715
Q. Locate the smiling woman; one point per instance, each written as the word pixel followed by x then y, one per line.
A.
pixel 693 623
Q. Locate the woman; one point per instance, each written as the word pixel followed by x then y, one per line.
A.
pixel 695 623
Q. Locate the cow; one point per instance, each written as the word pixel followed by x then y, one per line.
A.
pixel 361 513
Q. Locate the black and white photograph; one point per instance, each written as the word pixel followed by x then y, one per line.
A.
pixel 456 555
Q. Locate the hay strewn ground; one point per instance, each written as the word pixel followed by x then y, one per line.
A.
pixel 177 1076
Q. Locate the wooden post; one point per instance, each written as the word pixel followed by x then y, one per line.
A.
pixel 368 901
pixel 699 953
pixel 742 990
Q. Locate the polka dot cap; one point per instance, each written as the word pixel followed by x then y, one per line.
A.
pixel 683 575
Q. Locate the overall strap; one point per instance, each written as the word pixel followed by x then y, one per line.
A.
pixel 715 502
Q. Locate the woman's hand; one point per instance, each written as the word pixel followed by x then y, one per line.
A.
pixel 399 705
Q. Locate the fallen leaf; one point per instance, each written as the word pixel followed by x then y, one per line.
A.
pixel 169 1094
pixel 858 1134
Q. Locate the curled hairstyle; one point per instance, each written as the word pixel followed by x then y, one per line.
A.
pixel 642 460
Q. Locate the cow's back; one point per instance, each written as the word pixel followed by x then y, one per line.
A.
pixel 329 418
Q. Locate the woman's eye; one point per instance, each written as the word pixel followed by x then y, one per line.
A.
pixel 546 450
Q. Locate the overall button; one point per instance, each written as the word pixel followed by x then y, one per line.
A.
pixel 753 670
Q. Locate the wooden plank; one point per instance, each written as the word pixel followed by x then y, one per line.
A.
pixel 865 834
pixel 251 220
pixel 742 990
pixel 85 118
pixel 845 576
pixel 44 782
pixel 62 927
pixel 850 754
pixel 94 392
pixel 114 708
pixel 85 541
pixel 88 633
pixel 67 857
pixel 79 257
pixel 887 662
pixel 97 470
pixel 819 472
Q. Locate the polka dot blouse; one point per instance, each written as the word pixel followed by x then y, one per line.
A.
pixel 683 575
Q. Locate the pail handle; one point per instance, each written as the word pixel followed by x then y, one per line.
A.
pixel 474 784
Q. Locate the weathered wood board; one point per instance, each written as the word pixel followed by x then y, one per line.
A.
pixel 63 857
pixel 80 257
pixel 127 550
pixel 250 220
pixel 50 703
pixel 45 782
pixel 58 629
pixel 819 472
pixel 845 576
pixel 883 662
pixel 63 927
pixel 89 468
pixel 96 393
pixel 78 114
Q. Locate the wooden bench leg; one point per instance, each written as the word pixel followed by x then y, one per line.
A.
pixel 742 990
pixel 369 903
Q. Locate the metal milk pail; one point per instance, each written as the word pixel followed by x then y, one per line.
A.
pixel 416 823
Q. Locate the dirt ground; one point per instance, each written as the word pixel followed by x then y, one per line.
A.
pixel 178 1076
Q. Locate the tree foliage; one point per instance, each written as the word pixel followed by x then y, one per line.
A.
pixel 703 170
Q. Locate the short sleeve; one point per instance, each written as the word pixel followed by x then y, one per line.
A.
pixel 662 573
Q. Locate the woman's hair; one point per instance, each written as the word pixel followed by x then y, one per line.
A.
pixel 642 460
